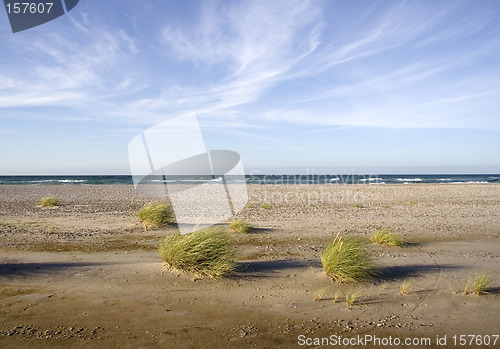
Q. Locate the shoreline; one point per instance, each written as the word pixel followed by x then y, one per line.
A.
pixel 258 184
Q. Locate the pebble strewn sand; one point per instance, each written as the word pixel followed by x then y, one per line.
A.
pixel 87 274
pixel 417 212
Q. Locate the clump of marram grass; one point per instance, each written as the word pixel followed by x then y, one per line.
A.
pixel 351 298
pixel 347 260
pixel 240 226
pixel 405 287
pixel 468 285
pixel 337 295
pixel 385 237
pixel 478 283
pixel 320 293
pixel 155 215
pixel 358 205
pixel 206 253
pixel 265 206
pixel 49 201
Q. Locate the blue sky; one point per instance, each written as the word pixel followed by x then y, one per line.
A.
pixel 293 86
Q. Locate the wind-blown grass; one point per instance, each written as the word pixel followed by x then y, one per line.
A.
pixel 49 201
pixel 155 215
pixel 337 295
pixel 347 260
pixel 206 253
pixel 320 293
pixel 385 237
pixel 240 226
pixel 478 284
pixel 351 298
pixel 405 287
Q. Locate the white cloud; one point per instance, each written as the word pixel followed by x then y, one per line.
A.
pixel 260 45
pixel 241 55
pixel 64 69
pixel 256 42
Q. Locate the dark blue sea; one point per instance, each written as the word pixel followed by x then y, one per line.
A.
pixel 259 179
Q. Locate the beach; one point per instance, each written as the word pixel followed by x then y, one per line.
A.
pixel 86 273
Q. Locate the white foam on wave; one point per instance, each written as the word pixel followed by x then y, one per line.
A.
pixel 409 179
pixel 370 179
pixel 182 180
pixel 471 182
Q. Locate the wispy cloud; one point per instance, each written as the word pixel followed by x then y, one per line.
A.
pixel 65 69
pixel 248 47
pixel 252 47
pixel 245 63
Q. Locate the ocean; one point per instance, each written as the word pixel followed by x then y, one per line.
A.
pixel 259 179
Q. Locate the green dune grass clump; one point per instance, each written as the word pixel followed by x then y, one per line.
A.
pixel 265 206
pixel 49 201
pixel 385 237
pixel 207 253
pixel 240 226
pixel 320 293
pixel 478 283
pixel 347 260
pixel 155 215
pixel 337 295
pixel 350 298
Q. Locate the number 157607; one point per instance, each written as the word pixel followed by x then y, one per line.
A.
pixel 29 7
pixel 475 339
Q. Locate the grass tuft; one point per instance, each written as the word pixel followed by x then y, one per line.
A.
pixel 478 284
pixel 347 260
pixel 405 287
pixel 49 201
pixel 206 253
pixel 265 206
pixel 351 298
pixel 337 295
pixel 320 293
pixel 358 205
pixel 155 215
pixel 240 226
pixel 385 237
pixel 468 285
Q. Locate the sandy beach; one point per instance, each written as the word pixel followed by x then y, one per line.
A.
pixel 87 273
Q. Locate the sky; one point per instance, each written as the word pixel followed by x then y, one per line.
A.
pixel 292 86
